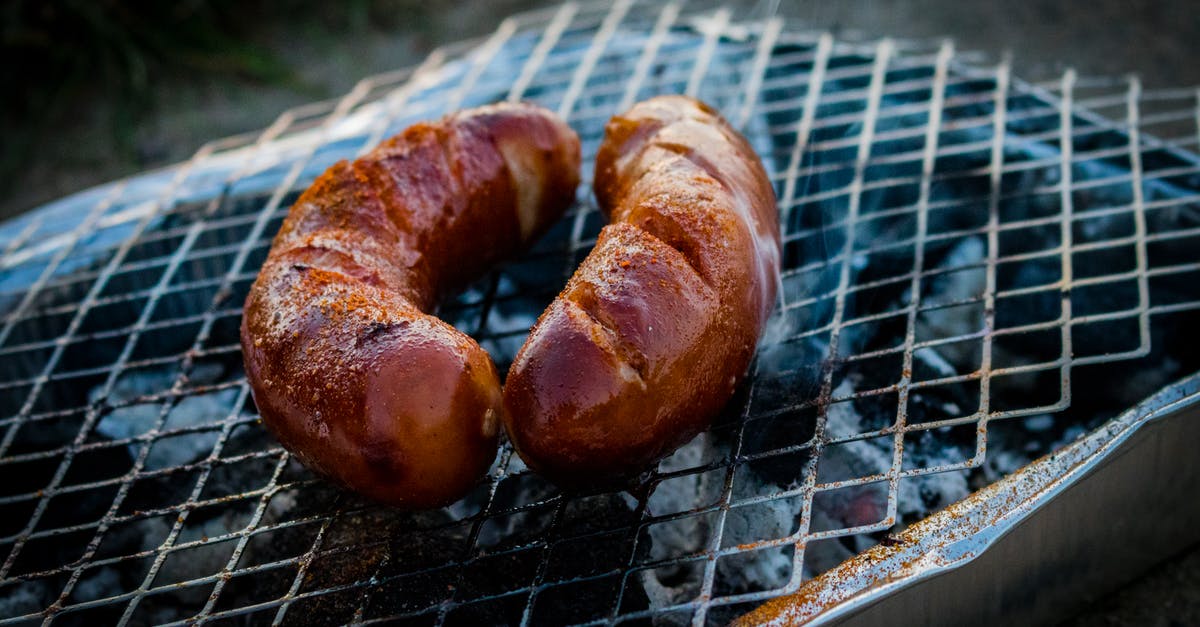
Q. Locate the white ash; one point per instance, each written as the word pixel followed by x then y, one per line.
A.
pixel 1012 449
pixel 137 383
pixel 962 321
pixel 280 505
pixel 130 421
pixel 98 583
pixel 28 597
pixel 680 583
pixel 1041 422
pixel 191 411
pixel 777 351
pixel 683 536
pixel 764 569
pixel 1002 461
pixel 199 561
pixel 934 361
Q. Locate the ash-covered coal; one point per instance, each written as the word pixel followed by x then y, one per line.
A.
pixel 680 581
pixel 130 419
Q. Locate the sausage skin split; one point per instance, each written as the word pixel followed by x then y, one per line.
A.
pixel 654 331
pixel 347 366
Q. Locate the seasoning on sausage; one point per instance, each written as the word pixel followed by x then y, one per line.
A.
pixel 347 366
pixel 651 335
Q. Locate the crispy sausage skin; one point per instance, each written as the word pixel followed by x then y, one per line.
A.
pixel 347 366
pixel 653 332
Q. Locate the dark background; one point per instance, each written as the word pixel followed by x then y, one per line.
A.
pixel 98 89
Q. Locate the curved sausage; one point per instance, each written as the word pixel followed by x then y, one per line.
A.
pixel 653 332
pixel 347 366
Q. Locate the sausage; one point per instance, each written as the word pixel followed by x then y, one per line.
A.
pixel 651 335
pixel 348 367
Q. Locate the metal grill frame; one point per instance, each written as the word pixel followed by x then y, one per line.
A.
pixel 578 36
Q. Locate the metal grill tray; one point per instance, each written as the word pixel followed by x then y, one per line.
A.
pixel 963 251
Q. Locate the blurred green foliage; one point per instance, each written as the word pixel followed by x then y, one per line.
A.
pixel 60 55
pixel 61 52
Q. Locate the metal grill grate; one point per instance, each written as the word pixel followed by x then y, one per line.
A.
pixel 959 245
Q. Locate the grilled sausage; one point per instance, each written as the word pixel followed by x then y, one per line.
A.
pixel 347 366
pixel 653 332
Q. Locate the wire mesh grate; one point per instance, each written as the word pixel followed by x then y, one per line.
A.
pixel 960 247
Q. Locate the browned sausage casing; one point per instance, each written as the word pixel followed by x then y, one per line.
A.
pixel 347 367
pixel 653 332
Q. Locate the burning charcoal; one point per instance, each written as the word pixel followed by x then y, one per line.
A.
pixel 1070 434
pixel 942 402
pixel 1139 383
pixel 508 329
pixel 1013 444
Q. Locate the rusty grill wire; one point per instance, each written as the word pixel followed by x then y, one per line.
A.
pixel 958 244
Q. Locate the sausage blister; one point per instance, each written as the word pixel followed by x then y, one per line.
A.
pixel 347 366
pixel 656 328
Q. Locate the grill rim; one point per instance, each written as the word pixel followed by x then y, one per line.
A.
pixel 941 556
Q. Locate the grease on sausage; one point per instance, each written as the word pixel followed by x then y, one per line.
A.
pixel 653 332
pixel 347 366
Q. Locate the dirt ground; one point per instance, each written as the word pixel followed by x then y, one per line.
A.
pixel 1111 37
